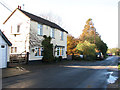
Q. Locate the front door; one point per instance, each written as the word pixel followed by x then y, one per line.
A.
pixel 3 56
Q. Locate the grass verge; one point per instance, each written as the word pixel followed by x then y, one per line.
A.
pixel 119 66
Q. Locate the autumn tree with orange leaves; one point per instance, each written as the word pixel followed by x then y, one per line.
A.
pixel 71 44
pixel 89 34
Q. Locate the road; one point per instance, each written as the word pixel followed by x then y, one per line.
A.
pixel 94 75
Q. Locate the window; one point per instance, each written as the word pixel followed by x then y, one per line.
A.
pixel 2 46
pixel 18 28
pixel 52 34
pixel 11 29
pixel 13 49
pixel 61 37
pixel 60 51
pixel 39 51
pixel 40 29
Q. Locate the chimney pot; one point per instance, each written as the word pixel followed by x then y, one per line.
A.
pixel 18 6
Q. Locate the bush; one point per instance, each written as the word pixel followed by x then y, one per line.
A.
pixel 76 57
pixel 56 59
pixel 48 49
pixel 118 67
pixel 60 58
pixel 90 57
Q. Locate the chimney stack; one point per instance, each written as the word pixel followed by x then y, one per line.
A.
pixel 19 7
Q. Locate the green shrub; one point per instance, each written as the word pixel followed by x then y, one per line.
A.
pixel 60 58
pixel 118 67
pixel 90 57
pixel 76 57
pixel 48 49
pixel 56 59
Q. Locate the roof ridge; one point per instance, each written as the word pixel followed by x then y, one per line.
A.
pixel 37 16
pixel 42 20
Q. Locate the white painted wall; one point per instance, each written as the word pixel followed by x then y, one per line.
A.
pixel 46 31
pixel 7 54
pixel 21 40
pixel 28 38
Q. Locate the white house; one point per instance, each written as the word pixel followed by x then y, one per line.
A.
pixel 4 50
pixel 26 31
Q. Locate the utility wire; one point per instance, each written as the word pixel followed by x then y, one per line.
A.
pixel 5 6
pixel 10 10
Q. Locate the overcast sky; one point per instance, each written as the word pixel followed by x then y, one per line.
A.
pixel 74 14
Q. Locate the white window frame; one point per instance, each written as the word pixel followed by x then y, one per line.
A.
pixel 39 54
pixel 40 29
pixel 52 33
pixel 14 50
pixel 18 28
pixel 61 36
pixel 61 51
pixel 11 29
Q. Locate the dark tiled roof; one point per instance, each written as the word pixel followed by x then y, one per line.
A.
pixel 42 21
pixel 5 38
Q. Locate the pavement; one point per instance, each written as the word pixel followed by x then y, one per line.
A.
pixel 16 70
pixel 11 72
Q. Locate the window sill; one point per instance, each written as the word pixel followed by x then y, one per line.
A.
pixel 39 56
pixel 39 35
pixel 15 33
pixel 59 55
pixel 53 38
pixel 13 53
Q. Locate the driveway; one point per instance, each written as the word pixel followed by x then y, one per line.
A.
pixel 73 74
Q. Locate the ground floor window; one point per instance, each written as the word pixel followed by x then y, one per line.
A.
pixel 60 51
pixel 39 51
pixel 13 49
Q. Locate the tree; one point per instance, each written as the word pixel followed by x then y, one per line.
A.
pixel 87 48
pixel 48 49
pixel 115 51
pixel 89 34
pixel 71 44
pixel 112 50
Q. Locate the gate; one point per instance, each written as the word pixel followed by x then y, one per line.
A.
pixel 17 59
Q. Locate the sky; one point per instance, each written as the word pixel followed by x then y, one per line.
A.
pixel 74 14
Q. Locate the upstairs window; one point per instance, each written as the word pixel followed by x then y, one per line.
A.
pixel 11 29
pixel 40 29
pixel 52 34
pixel 13 49
pixel 61 35
pixel 18 28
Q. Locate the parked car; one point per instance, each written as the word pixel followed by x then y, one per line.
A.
pixel 81 56
pixel 109 54
pixel 99 56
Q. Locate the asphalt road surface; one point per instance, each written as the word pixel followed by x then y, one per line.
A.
pixel 94 75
